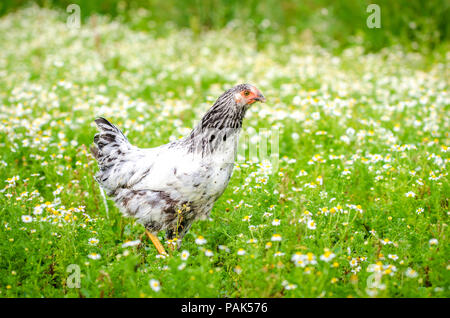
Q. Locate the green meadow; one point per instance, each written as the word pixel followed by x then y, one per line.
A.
pixel 351 199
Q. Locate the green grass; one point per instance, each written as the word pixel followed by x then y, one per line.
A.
pixel 384 117
pixel 421 25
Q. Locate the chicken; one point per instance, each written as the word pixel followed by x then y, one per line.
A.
pixel 170 186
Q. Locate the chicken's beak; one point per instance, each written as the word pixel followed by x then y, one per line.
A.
pixel 260 98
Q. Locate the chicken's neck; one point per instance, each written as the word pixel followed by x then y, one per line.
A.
pixel 218 131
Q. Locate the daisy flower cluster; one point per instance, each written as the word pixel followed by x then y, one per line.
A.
pixel 339 187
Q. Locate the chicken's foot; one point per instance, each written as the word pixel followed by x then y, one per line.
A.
pixel 156 242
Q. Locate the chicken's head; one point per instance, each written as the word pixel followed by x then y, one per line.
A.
pixel 246 94
pixel 230 108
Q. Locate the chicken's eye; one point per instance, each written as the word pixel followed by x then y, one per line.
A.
pixel 246 93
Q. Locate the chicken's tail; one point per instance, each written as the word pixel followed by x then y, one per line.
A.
pixel 109 144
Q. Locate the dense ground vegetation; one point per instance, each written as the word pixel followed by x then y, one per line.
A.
pixel 352 202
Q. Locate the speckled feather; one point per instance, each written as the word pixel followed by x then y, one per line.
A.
pixel 186 175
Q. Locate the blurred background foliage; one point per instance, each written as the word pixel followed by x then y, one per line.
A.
pixel 420 25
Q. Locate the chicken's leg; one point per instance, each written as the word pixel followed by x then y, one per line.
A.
pixel 156 242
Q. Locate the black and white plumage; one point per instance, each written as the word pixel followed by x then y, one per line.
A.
pixel 170 186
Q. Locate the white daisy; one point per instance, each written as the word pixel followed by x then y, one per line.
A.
pixel 353 262
pixel 224 248
pixel 433 241
pixel 276 238
pixel 327 256
pixel 131 243
pixel 411 273
pixel 184 255
pixel 94 256
pixel 200 240
pixel 209 253
pixel 93 241
pixel 154 284
pixel 410 194
pixel 311 224
pixel 393 257
pixel 27 219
